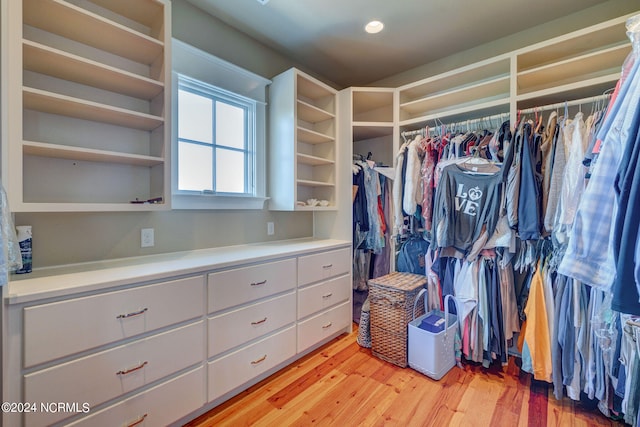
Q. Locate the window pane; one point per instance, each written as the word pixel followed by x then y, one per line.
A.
pixel 229 125
pixel 195 167
pixel 230 171
pixel 194 117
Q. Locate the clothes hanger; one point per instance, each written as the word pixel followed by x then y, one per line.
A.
pixel 538 123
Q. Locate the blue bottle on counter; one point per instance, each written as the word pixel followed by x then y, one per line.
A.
pixel 25 241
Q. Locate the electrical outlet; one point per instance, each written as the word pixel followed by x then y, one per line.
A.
pixel 270 229
pixel 146 238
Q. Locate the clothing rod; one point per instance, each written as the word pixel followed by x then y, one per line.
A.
pixel 567 104
pixel 478 119
pixel 459 123
pixel 413 132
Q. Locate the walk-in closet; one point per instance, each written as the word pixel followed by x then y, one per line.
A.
pixel 347 213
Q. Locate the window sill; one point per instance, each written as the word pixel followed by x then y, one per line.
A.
pixel 213 202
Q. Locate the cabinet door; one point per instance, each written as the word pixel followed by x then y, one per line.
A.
pixel 312 299
pixel 158 406
pixel 241 285
pixel 313 268
pixel 117 371
pixel 241 366
pixel 248 323
pixel 322 326
pixel 63 328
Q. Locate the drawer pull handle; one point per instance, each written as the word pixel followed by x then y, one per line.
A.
pixel 259 283
pixel 128 371
pixel 135 313
pixel 327 266
pixel 262 359
pixel 138 421
pixel 328 325
pixel 329 295
pixel 259 321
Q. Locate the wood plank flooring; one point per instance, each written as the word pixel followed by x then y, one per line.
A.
pixel 342 384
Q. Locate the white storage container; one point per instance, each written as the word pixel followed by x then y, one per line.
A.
pixel 430 353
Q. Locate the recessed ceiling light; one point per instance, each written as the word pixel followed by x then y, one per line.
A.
pixel 374 27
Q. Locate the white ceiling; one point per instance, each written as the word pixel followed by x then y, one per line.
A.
pixel 328 36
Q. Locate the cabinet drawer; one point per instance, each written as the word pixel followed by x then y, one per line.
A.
pixel 241 285
pixel 234 328
pixel 158 406
pixel 323 295
pixel 115 371
pixel 317 328
pixel 313 268
pixel 237 368
pixel 66 327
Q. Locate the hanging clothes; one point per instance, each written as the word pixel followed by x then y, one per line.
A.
pixel 465 202
pixel 537 333
pixel 590 254
pixel 530 181
pixel 412 195
pixel 555 180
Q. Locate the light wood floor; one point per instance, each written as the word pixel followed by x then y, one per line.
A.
pixel 342 384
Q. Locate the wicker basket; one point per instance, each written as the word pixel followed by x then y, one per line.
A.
pixel 392 298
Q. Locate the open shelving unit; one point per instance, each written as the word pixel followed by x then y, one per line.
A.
pixel 577 65
pixel 481 88
pixel 87 105
pixel 373 123
pixel 302 154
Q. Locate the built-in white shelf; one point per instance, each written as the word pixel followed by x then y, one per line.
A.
pixel 73 22
pixel 57 63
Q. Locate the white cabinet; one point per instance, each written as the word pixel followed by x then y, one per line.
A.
pixel 318 297
pixel 158 406
pixel 96 320
pixel 302 143
pixel 323 325
pixel 323 265
pixel 249 362
pixel 252 333
pixel 261 313
pixel 324 296
pixel 245 284
pixel 88 104
pixel 144 347
pixel 122 340
pixel 116 371
pixel 234 328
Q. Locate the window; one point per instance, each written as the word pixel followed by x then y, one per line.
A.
pixel 215 140
pixel 218 147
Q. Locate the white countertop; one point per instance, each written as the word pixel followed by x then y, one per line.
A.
pixel 66 280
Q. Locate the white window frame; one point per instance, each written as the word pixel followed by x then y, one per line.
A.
pixel 201 66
